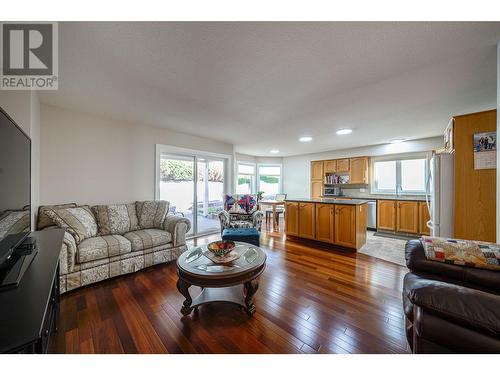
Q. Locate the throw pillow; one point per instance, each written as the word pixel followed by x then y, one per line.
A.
pixel 43 220
pixel 251 204
pixel 462 252
pixel 151 214
pixel 78 221
pixel 229 202
pixel 116 218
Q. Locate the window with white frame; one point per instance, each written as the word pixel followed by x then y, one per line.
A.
pixel 269 179
pixel 400 175
pixel 245 180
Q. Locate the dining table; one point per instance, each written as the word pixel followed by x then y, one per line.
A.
pixel 274 204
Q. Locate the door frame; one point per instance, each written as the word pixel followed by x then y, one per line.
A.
pixel 195 154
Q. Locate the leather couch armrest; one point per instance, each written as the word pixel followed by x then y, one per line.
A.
pixel 178 226
pixel 465 306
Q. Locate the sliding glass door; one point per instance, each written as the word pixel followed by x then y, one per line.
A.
pixel 194 185
pixel 210 188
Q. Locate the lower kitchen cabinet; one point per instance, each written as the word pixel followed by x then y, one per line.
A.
pixel 386 215
pixel 407 217
pixel 325 222
pixel 292 218
pixel 403 216
pixel 307 220
pixel 339 224
pixel 345 225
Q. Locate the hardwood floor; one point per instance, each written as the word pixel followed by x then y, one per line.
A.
pixel 311 299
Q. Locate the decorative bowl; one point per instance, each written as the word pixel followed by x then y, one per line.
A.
pixel 221 248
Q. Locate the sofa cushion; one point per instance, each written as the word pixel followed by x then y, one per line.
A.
pixel 101 247
pixel 147 238
pixel 151 214
pixel 43 220
pixel 78 221
pixel 116 218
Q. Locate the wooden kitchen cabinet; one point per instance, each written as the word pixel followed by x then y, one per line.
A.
pixel 345 226
pixel 316 189
pixel 423 218
pixel 292 218
pixel 342 166
pixel 329 166
pixel 307 220
pixel 358 171
pixel 317 170
pixel 407 217
pixel 386 215
pixel 325 222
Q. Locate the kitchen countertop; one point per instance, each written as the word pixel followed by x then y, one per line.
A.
pixel 383 196
pixel 351 202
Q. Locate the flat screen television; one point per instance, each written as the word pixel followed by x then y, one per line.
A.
pixel 15 186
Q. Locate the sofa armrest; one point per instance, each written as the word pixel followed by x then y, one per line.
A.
pixel 178 226
pixel 465 306
pixel 257 218
pixel 67 258
pixel 224 219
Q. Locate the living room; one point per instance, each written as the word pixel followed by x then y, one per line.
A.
pixel 250 188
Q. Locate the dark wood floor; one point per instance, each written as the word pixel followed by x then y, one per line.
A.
pixel 310 300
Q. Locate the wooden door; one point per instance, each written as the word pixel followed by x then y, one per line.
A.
pixel 292 218
pixel 325 222
pixel 345 225
pixel 343 165
pixel 317 170
pixel 358 170
pixel 475 189
pixel 316 189
pixel 386 215
pixel 423 218
pixel 307 218
pixel 329 166
pixel 407 217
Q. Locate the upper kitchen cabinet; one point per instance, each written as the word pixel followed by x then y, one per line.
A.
pixel 316 188
pixel 358 170
pixel 317 170
pixel 330 166
pixel 342 166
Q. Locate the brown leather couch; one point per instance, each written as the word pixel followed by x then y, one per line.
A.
pixel 448 308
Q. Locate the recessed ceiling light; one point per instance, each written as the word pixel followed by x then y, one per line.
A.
pixel 344 131
pixel 274 151
pixel 400 140
pixel 306 139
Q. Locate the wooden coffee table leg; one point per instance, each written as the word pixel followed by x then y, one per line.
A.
pixel 183 288
pixel 250 290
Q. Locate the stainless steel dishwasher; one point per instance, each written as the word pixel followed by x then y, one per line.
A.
pixel 371 215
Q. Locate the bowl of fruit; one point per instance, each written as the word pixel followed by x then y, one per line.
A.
pixel 221 248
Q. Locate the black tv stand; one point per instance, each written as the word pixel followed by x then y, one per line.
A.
pixel 28 313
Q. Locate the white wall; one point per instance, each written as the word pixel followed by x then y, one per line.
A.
pixel 296 169
pixel 92 160
pixel 24 108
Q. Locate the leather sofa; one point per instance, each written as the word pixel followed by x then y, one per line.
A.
pixel 450 308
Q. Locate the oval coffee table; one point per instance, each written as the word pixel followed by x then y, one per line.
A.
pixel 234 282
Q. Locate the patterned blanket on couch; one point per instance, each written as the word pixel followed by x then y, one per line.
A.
pixel 463 252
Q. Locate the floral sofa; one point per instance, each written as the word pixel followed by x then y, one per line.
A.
pixel 105 241
pixel 240 211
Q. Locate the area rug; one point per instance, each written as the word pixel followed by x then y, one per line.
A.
pixel 389 249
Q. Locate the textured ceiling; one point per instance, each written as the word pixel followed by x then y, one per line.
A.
pixel 263 85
